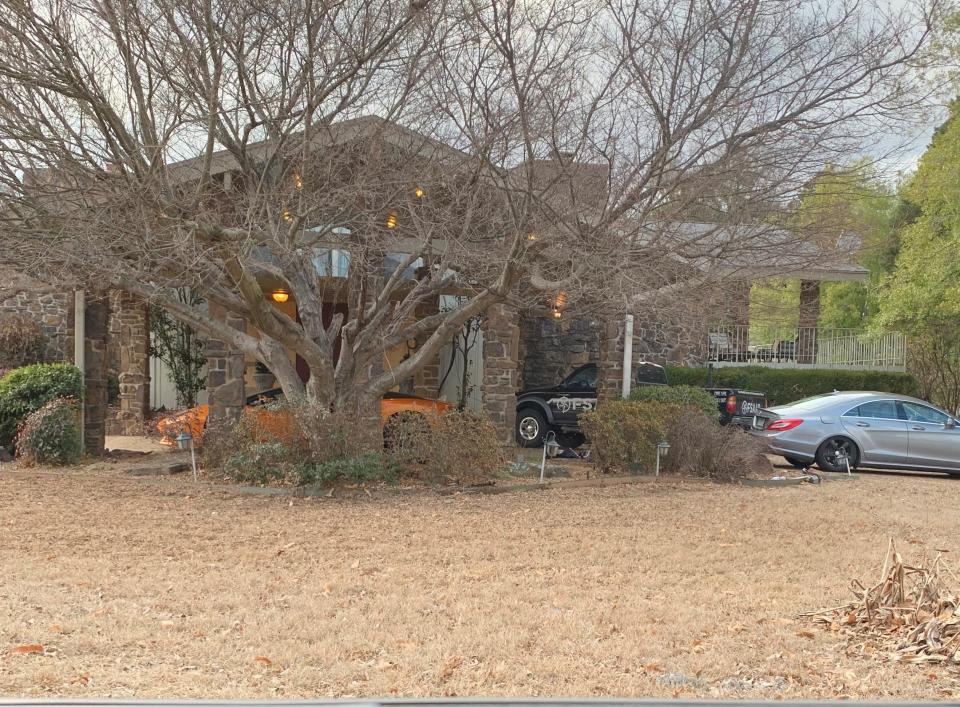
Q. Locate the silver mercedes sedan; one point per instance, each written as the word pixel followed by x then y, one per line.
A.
pixel 862 429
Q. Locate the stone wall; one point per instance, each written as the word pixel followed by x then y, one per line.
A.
pixel 96 324
pixel 130 335
pixel 551 349
pixel 226 367
pixel 52 311
pixel 501 344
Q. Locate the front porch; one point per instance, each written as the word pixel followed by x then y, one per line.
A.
pixel 779 346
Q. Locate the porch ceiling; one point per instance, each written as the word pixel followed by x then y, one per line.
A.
pixel 754 251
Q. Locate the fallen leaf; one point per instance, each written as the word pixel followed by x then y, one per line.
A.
pixel 451 664
pixel 653 668
pixel 263 659
pixel 28 648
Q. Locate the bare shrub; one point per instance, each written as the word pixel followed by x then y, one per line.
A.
pixel 700 446
pixel 271 445
pixel 456 446
pixel 465 448
pixel 22 341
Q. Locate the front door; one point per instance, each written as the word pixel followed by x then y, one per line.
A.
pixel 879 432
pixel 933 442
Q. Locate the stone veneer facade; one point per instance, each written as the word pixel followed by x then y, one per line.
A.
pixel 118 344
pixel 551 349
pixel 52 310
pixel 501 348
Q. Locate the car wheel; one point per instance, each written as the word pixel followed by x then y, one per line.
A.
pixel 834 452
pixel 798 463
pixel 531 428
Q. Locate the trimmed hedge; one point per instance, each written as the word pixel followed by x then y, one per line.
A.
pixel 51 435
pixel 24 390
pixel 624 433
pixel 683 395
pixel 784 385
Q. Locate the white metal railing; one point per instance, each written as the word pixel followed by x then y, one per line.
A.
pixel 805 346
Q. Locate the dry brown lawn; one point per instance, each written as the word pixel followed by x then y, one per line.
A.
pixel 157 588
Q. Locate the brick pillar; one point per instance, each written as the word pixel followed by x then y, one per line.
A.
pixel 501 344
pixel 738 316
pixel 426 381
pixel 808 321
pixel 133 373
pixel 96 323
pixel 226 366
pixel 610 358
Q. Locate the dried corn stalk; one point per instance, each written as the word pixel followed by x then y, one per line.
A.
pixel 911 612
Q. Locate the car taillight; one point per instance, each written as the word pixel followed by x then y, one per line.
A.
pixel 783 425
pixel 732 403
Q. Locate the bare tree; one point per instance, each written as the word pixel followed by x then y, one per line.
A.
pixel 499 150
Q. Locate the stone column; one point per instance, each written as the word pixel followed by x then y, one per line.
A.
pixel 808 321
pixel 426 381
pixel 226 366
pixel 96 323
pixel 133 347
pixel 738 317
pixel 610 358
pixel 501 344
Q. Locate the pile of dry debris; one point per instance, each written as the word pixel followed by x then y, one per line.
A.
pixel 911 614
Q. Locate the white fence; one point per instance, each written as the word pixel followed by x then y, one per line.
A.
pixel 806 346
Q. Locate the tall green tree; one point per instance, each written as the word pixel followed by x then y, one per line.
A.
pixel 854 203
pixel 922 297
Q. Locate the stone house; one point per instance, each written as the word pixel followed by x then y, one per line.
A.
pixel 515 348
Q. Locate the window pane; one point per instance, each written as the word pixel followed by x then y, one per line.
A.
pixel 852 412
pixel 882 409
pixel 922 413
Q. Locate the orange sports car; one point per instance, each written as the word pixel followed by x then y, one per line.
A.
pixel 277 422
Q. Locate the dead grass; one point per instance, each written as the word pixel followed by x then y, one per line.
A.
pixel 150 587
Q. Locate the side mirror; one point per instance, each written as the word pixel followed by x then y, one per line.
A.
pixel 950 424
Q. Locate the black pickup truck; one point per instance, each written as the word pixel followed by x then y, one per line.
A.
pixel 558 408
